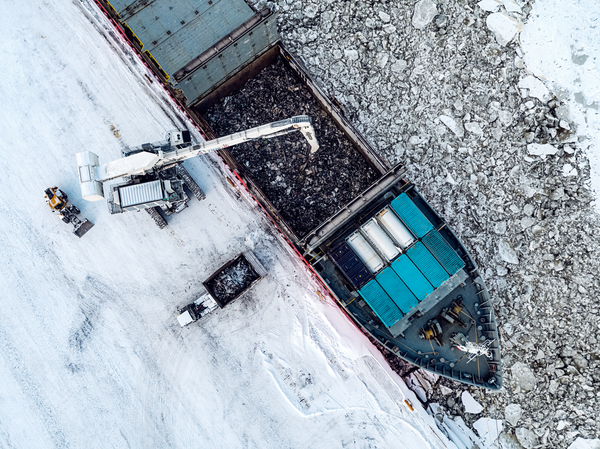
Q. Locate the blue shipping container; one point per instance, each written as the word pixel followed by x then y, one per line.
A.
pixel 381 303
pixel 412 277
pixel 427 264
pixel 397 290
pixel 410 214
pixel 443 252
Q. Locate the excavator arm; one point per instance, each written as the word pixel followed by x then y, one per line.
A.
pixel 92 175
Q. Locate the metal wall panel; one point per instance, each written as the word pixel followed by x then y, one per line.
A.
pixel 230 60
pixel 410 214
pixel 121 5
pixel 412 277
pixel 397 290
pixel 380 302
pixel 443 252
pixel 427 264
pixel 175 34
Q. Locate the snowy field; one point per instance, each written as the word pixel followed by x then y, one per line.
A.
pixel 91 355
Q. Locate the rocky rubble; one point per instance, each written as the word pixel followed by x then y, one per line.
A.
pixel 441 86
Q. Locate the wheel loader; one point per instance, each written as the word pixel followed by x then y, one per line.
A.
pixel 59 202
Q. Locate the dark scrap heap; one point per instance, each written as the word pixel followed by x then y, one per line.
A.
pixel 232 280
pixel 305 189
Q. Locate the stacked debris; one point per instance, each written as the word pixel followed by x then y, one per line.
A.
pixel 305 189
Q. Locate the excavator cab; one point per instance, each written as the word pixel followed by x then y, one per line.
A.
pixel 56 198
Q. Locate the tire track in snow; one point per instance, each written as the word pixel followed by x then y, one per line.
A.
pixel 31 391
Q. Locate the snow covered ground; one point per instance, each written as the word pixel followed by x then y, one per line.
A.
pixel 561 46
pixel 91 354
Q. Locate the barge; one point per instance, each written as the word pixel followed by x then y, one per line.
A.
pixel 386 257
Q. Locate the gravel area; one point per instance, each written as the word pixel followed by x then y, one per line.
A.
pixel 306 189
pixel 441 86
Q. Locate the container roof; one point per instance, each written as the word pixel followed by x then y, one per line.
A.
pixel 178 31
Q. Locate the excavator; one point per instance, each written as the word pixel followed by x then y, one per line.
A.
pixel 153 177
pixel 59 202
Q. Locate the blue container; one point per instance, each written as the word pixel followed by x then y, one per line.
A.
pixel 412 277
pixel 410 214
pixel 352 267
pixel 443 252
pixel 381 303
pixel 397 290
pixel 427 264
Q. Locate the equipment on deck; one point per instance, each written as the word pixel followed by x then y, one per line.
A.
pixel 452 313
pixel 432 331
pixel 473 349
pixel 153 174
pixel 59 202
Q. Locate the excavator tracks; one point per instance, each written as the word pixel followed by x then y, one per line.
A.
pixel 189 181
pixel 157 217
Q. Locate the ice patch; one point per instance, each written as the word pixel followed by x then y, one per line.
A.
pixel 399 66
pixel 535 88
pixel 489 5
pixel 504 27
pixel 543 150
pixel 471 405
pixel 507 253
pixel 526 437
pixel 581 443
pixel 351 55
pixel 452 125
pixel 523 376
pixel 512 413
pixel 425 11
pixel 384 17
pixel 487 428
pixel 474 128
pixel 569 170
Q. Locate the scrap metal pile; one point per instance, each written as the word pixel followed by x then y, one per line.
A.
pixel 232 280
pixel 305 189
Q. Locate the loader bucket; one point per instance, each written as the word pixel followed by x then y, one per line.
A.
pixel 82 228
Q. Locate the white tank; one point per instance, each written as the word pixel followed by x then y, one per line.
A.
pixel 395 227
pixel 365 251
pixel 381 240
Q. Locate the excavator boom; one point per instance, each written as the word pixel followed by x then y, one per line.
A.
pixel 92 174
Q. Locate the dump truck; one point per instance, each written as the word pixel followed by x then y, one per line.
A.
pixel 224 286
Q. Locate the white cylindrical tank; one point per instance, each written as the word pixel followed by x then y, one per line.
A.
pixel 395 227
pixel 381 240
pixel 91 189
pixel 365 251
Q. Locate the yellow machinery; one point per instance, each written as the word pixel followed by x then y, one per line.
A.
pixel 59 202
